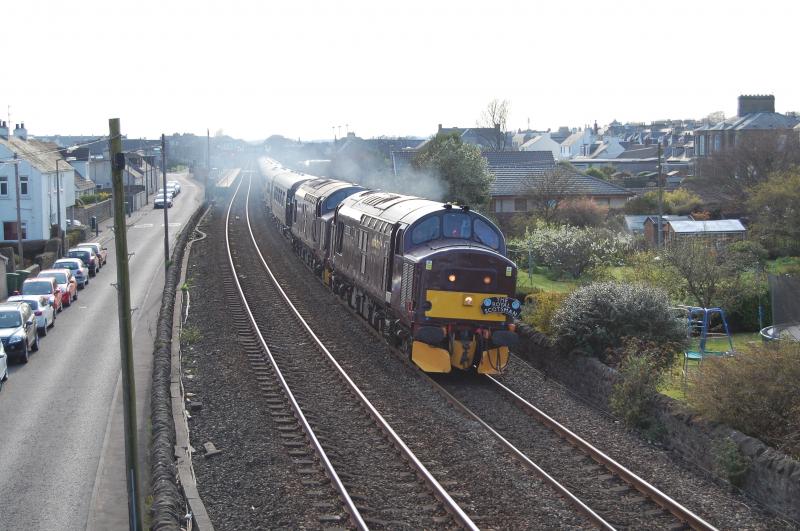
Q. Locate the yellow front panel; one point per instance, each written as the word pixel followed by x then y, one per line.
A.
pixel 430 358
pixel 451 305
pixel 493 360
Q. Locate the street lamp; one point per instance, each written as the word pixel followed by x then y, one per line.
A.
pixel 61 231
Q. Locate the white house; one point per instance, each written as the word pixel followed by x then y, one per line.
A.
pixel 577 144
pixel 37 166
pixel 543 142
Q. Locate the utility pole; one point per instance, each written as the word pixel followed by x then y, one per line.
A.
pixel 208 163
pixel 19 212
pixel 58 206
pixel 166 206
pixel 146 168
pixel 125 327
pixel 660 200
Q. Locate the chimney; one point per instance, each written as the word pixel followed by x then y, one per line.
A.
pixel 20 131
pixel 4 130
pixel 756 103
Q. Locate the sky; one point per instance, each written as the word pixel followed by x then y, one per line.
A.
pixel 311 69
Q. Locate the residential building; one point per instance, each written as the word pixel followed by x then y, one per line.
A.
pixel 577 144
pixel 756 114
pixel 542 142
pixel 46 182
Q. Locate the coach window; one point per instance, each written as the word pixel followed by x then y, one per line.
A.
pixel 486 235
pixel 426 231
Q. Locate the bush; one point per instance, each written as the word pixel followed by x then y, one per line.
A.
pixel 729 462
pixel 573 250
pixel 581 212
pixel 539 309
pixel 757 392
pixel 595 318
pixel 662 354
pixel 633 396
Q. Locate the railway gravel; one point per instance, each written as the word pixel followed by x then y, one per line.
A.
pixel 678 479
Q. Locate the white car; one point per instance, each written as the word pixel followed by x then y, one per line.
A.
pixel 175 185
pixel 44 312
pixel 3 366
pixel 161 200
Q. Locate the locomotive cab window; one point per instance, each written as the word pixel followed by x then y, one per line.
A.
pixel 486 235
pixel 426 231
pixel 457 225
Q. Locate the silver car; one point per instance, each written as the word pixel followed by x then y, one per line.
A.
pixel 78 268
pixel 3 366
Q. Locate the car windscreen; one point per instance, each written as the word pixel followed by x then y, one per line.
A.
pixel 65 265
pixel 61 278
pixel 33 303
pixel 10 319
pixel 83 255
pixel 37 288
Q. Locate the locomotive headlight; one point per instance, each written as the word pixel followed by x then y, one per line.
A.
pixel 467 301
pixel 452 277
pixel 487 280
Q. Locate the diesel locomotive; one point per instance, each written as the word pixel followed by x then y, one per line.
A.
pixel 432 277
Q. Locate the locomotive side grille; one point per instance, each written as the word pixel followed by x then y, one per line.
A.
pixel 406 287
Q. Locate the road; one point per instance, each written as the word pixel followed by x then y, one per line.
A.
pixel 61 435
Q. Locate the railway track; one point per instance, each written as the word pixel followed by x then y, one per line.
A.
pixel 326 420
pixel 611 504
pixel 618 496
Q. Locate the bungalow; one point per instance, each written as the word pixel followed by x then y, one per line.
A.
pixel 46 185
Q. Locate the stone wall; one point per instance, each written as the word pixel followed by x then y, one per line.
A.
pixel 773 478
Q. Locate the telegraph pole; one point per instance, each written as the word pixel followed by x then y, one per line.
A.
pixel 208 163
pixel 660 200
pixel 166 206
pixel 19 212
pixel 125 328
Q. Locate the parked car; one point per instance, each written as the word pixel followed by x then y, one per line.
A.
pixel 176 185
pixel 98 249
pixel 78 268
pixel 44 312
pixel 3 366
pixel 66 282
pixel 162 200
pixel 74 223
pixel 170 192
pixel 88 257
pixel 44 286
pixel 18 330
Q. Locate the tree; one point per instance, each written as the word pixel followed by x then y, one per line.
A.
pixel 731 174
pixel 680 202
pixel 495 117
pixel 602 172
pixel 775 208
pixel 546 191
pixel 460 167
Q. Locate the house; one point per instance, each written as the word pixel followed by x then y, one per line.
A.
pixel 714 232
pixel 756 114
pixel 514 185
pixel 46 185
pixel 577 144
pixel 542 142
pixel 488 138
pixel 650 227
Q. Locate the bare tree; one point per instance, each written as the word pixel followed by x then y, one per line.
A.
pixel 495 117
pixel 547 190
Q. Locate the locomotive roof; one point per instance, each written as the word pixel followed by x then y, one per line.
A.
pixel 389 206
pixel 288 178
pixel 322 187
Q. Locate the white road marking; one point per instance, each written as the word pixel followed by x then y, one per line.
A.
pixel 176 224
pixel 144 226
